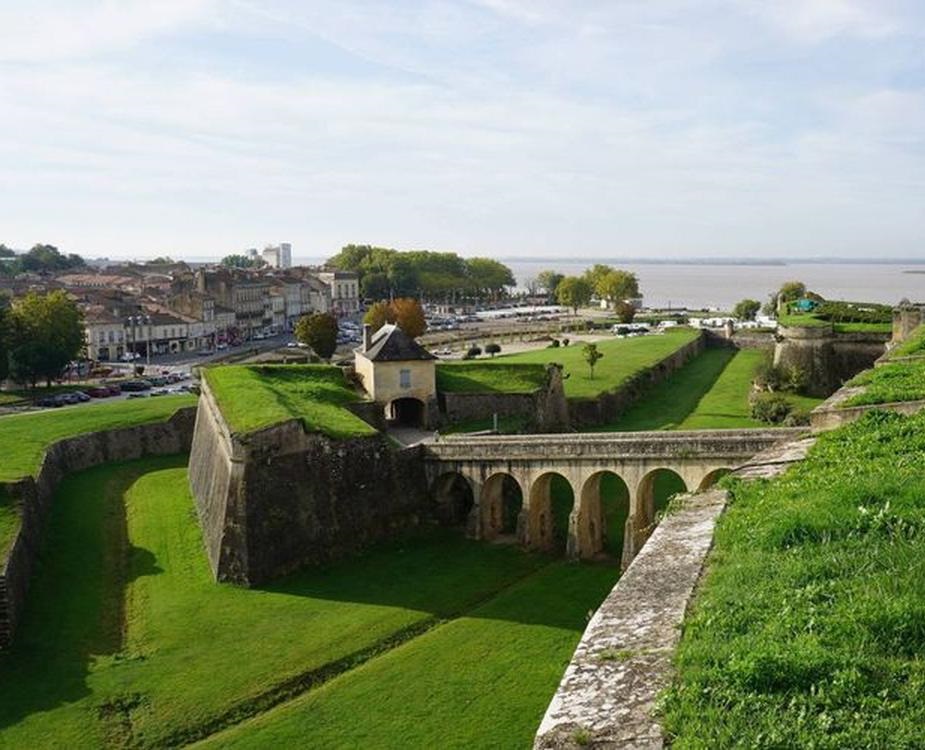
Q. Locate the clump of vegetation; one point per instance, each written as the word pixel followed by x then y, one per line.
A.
pixel 747 309
pixel 772 408
pixel 319 331
pixel 912 346
pixel 472 352
pixel 492 349
pixel 837 311
pixel 592 355
pixel 827 647
pixel 554 344
pixel 898 381
pixel 405 312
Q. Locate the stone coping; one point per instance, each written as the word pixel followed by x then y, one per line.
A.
pixel 830 414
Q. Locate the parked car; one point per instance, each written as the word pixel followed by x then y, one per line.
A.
pixel 138 395
pixel 159 381
pixel 135 386
pixel 82 397
pixel 98 391
pixel 50 402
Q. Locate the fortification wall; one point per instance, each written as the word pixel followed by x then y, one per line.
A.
pixel 279 498
pixel 33 495
pixel 828 358
pixel 741 339
pixel 609 406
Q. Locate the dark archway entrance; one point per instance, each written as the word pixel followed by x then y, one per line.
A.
pixel 712 478
pixel 453 499
pixel 655 491
pixel 551 503
pixel 501 503
pixel 406 412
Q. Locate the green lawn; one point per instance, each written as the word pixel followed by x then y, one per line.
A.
pixel 709 393
pixel 483 680
pixel 24 437
pixel 900 381
pixel 126 639
pixel 256 396
pixel 623 358
pixel 809 629
pixel 502 377
pixel 808 320
pixel 9 522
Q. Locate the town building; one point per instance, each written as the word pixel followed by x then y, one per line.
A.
pixel 345 291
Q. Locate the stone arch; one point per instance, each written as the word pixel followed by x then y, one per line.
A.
pixel 712 478
pixel 500 506
pixel 551 502
pixel 602 515
pixel 652 496
pixel 406 412
pixel 453 498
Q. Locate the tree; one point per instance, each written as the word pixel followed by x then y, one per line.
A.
pixel 6 252
pixel 625 311
pixel 376 285
pixel 489 276
pixel 46 333
pixel 549 280
pixel 473 351
pixel 594 274
pixel 592 355
pixel 791 290
pixel 746 309
pixel 573 292
pixel 319 331
pixel 408 315
pixel 48 258
pixel 241 261
pixel 377 315
pixel 4 341
pixel 616 286
pixel 492 349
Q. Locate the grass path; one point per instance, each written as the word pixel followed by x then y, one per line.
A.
pixel 126 638
pixel 483 680
pixel 709 393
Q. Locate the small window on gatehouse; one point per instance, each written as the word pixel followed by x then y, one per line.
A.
pixel 404 378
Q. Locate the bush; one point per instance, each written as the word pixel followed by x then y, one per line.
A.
pixel 473 352
pixel 772 408
pixel 492 349
pixel 554 344
pixel 854 312
pixel 797 418
pixel 565 342
pixel 768 376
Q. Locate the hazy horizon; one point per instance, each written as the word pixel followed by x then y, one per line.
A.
pixel 507 128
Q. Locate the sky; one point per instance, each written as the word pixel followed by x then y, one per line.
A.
pixel 507 128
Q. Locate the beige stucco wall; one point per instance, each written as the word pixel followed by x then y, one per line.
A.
pixel 382 380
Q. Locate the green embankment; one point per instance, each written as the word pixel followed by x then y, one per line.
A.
pixel 127 640
pixel 481 681
pixel 912 347
pixel 256 396
pixel 622 359
pixel 899 381
pixel 9 521
pixel 25 437
pixel 500 377
pixel 708 393
pixel 809 630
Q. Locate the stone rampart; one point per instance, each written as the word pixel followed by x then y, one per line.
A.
pixel 831 415
pixel 610 405
pixel 827 358
pixel 33 495
pixel 273 500
pixel 743 338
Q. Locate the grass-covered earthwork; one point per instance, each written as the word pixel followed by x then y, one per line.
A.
pixel 898 381
pixel 809 629
pixel 255 396
pixel 483 376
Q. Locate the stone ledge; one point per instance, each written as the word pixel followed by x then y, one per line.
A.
pixel 607 696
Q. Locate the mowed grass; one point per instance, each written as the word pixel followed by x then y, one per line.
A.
pixel 708 393
pixel 25 437
pixel 622 359
pixel 127 640
pixel 500 377
pixel 256 396
pixel 809 629
pixel 481 681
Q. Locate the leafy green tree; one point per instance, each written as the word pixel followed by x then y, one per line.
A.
pixel 48 258
pixel 549 280
pixel 746 309
pixel 492 349
pixel 46 333
pixel 574 292
pixel 319 331
pixel 376 285
pixel 791 290
pixel 489 276
pixel 241 261
pixel 377 315
pixel 616 286
pixel 592 356
pixel 594 274
pixel 6 252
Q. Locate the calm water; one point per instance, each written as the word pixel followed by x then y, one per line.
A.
pixel 722 285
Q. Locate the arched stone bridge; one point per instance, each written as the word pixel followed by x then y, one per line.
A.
pixel 504 485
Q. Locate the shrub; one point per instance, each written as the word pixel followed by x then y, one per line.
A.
pixel 473 352
pixel 772 408
pixel 767 375
pixel 565 342
pixel 797 418
pixel 554 344
pixel 492 349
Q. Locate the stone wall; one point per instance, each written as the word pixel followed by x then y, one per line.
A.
pixel 741 339
pixel 831 415
pixel 273 500
pixel 828 358
pixel 33 495
pixel 609 406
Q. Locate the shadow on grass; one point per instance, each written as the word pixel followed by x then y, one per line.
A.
pixel 75 606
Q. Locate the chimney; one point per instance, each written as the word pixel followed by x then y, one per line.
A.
pixel 367 336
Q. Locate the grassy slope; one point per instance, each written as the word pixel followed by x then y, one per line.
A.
pixel 809 630
pixel 913 346
pixel 24 437
pixel 9 520
pixel 709 392
pixel 623 358
pixel 483 680
pixel 502 377
pixel 255 396
pixel 192 648
pixel 900 381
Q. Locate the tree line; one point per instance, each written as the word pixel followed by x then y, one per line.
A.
pixel 39 259
pixel 40 334
pixel 614 285
pixel 386 273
